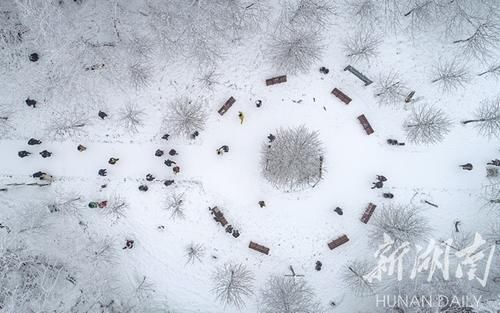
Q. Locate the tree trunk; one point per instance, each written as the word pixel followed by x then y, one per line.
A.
pixel 473 121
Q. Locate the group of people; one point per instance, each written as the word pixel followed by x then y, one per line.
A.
pixel 34 142
pixel 470 167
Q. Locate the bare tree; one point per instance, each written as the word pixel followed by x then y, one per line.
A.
pixel 450 75
pixel 421 13
pixel 67 124
pixel 184 117
pixel 491 196
pixel 366 12
pixel 175 204
pixel 194 252
pixel 232 284
pixel 353 276
pixel 312 14
pixel 390 90
pixel 483 41
pixel 295 51
pixel 493 70
pixel 288 295
pixel 361 45
pixel 401 223
pixel 132 117
pixel 294 160
pixel 115 209
pixel 141 75
pixel 209 79
pixel 427 125
pixel 5 121
pixel 487 118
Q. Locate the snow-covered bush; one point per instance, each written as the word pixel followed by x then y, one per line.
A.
pixel 194 252
pixel 132 117
pixel 184 117
pixel 450 75
pixel 288 295
pixel 353 276
pixel 294 159
pixel 390 90
pixel 427 125
pixel 232 284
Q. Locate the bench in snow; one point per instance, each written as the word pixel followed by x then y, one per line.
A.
pixel 229 103
pixel 368 213
pixel 342 96
pixel 276 80
pixel 409 96
pixel 338 242
pixel 218 216
pixel 366 125
pixel 257 247
pixel 358 74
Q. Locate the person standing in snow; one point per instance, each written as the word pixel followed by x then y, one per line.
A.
pixel 258 103
pixel 339 211
pixel 143 188
pixel 222 149
pixel 378 185
pixel 495 162
pixel 168 182
pixel 165 137
pixel 176 170
pixel 271 138
pixel 129 244
pixel 241 116
pixel 467 166
pixel 102 115
pixel 23 153
pixel 381 178
pixel 159 153
pixel 31 103
pixel 169 162
pixel 81 148
pixel 388 195
pixel 102 172
pixel 262 204
pixel 195 134
pixel 150 177
pixel 46 154
pixel 34 141
pixel 113 161
pixel 172 152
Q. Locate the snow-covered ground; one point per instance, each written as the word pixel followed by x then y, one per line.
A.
pixel 296 226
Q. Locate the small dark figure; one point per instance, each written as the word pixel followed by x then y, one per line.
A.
pixel 222 149
pixel 38 174
pixel 93 205
pixel 159 153
pixel 31 103
pixel 23 154
pixel 169 162
pixel 381 178
pixel 229 229
pixel 271 138
pixel 168 182
pixel 378 185
pixel 103 204
pixel 388 195
pixel 33 57
pixel 102 172
pixel 467 166
pixel 241 116
pixel 324 70
pixel 172 152
pixel 339 211
pixel 258 103
pixel 495 162
pixel 104 185
pixel 165 136
pixel 262 204
pixel 195 134
pixel 318 266
pixel 236 233
pixel 176 169
pixel 34 141
pixel 394 142
pixel 457 223
pixel 102 115
pixel 46 154
pixel 113 161
pixel 81 148
pixel 129 244
pixel 333 303
pixel 150 177
pixel 143 188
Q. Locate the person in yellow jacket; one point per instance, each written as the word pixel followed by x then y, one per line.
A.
pixel 241 116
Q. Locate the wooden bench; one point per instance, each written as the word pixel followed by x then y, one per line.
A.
pixel 368 213
pixel 366 125
pixel 229 103
pixel 338 242
pixel 257 247
pixel 358 74
pixel 218 216
pixel 276 80
pixel 342 96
